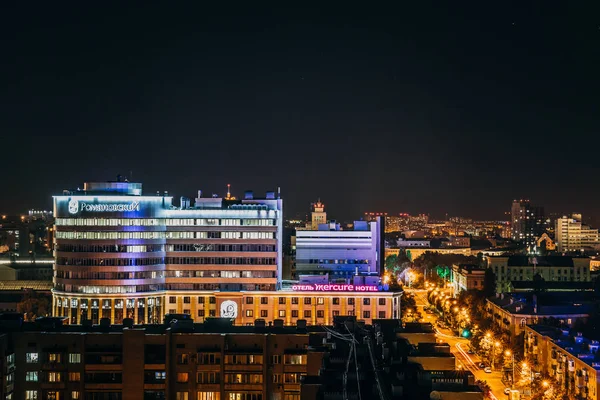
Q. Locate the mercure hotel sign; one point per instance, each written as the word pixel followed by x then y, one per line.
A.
pixel 334 288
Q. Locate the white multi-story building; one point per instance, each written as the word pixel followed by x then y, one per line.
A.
pixel 123 255
pixel 341 254
pixel 572 235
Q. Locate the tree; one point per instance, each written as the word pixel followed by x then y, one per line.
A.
pixel 539 283
pixel 489 283
pixel 33 305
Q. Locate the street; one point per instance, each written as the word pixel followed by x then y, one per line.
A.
pixel 459 347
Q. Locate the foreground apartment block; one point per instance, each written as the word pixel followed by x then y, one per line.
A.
pixel 571 360
pixel 211 361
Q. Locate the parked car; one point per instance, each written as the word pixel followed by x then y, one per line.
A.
pixel 470 351
pixel 481 365
pixel 487 370
pixel 506 390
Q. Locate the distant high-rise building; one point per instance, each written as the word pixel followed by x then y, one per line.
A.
pixel 527 222
pixel 318 215
pixel 572 235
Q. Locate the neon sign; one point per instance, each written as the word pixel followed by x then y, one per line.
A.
pixel 75 206
pixel 334 288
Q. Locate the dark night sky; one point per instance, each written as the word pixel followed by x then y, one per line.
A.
pixel 414 110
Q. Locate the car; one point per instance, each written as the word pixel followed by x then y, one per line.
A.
pixel 487 370
pixel 470 351
pixel 506 390
pixel 481 365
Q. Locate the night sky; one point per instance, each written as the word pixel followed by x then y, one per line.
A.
pixel 436 110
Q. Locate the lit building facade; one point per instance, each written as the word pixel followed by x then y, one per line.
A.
pixel 467 277
pixel 119 254
pixel 342 254
pixel 527 222
pixel 572 235
pixel 570 360
pixel 551 268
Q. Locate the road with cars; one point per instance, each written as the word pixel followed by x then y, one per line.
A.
pixel 460 348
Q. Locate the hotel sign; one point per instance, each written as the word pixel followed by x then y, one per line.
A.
pixel 75 206
pixel 334 288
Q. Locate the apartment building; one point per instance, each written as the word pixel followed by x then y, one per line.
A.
pixel 551 268
pixel 572 360
pixel 573 235
pixel 210 361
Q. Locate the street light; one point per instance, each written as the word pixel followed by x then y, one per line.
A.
pixel 509 354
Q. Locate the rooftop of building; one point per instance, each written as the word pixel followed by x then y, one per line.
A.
pixel 554 285
pixel 22 285
pixel 580 347
pixel 469 268
pixel 539 261
pixel 545 304
pixel 13 322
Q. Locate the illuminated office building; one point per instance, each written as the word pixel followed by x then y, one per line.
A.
pixel 120 254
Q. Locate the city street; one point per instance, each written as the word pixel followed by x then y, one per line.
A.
pixel 459 347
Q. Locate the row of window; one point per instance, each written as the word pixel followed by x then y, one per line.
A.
pixel 111 262
pixel 164 235
pixel 282 300
pixel 126 262
pixel 33 358
pixel 220 247
pixel 118 248
pixel 334 261
pixel 108 289
pixel 109 275
pixel 221 274
pixel 165 221
pixel 222 260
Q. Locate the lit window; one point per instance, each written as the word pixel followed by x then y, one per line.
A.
pixel 31 395
pixel 74 395
pixel 182 396
pixel 31 376
pixel 74 376
pixel 182 377
pixel 32 358
pixel 74 358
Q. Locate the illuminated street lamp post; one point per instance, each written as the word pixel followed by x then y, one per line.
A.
pixel 512 355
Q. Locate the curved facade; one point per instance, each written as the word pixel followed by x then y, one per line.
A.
pixel 120 254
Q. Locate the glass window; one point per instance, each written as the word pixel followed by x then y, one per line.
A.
pixel 249 313
pixel 172 299
pixel 307 314
pixel 182 377
pixel 307 300
pixel 264 313
pixel 351 301
pixel 336 301
pixel 54 377
pixel 295 359
pixel 31 395
pixel 366 314
pixel 74 395
pixel 281 313
pixel 31 376
pixel 54 357
pixel 74 358
pixel 74 376
pixel 181 396
pixel 160 375
pixel 249 300
pixel 367 301
pixel 320 314
pixel 294 300
pixel 320 300
pixel 294 313
pixel 209 395
pixel 32 358
pixel 264 300
pixel 276 359
pixel 382 301
pixel 282 300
